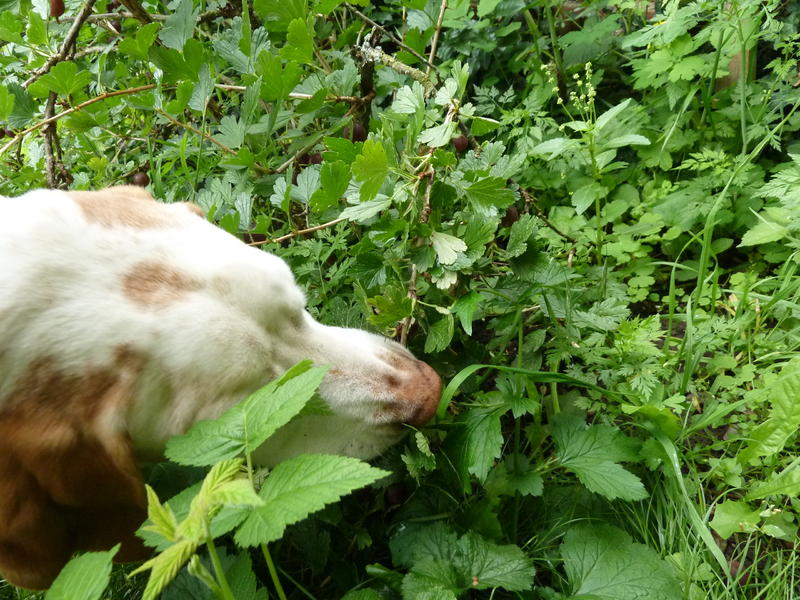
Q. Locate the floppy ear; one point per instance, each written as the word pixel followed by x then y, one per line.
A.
pixel 68 480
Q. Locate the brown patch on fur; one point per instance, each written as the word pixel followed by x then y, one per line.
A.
pixel 68 480
pixel 417 391
pixel 123 206
pixel 194 209
pixel 155 285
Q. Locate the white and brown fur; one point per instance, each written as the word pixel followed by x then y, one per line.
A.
pixel 123 321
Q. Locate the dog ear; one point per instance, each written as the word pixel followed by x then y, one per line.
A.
pixel 68 477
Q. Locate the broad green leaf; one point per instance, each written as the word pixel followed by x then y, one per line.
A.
pixel 447 247
pixel 446 92
pixel 439 335
pixel 138 47
pixel 300 486
pixel 627 140
pixel 366 210
pixel 772 226
pixel 586 195
pixel 85 577
pixel 479 441
pixel 409 100
pixel 10 27
pixel 464 307
pixel 785 483
pixel 592 453
pixel 489 194
pixel 6 103
pixel 437 136
pixel 63 79
pixel 246 426
pixel 521 232
pixel 334 179
pixel 370 168
pixel 277 14
pixel 231 132
pixel 602 563
pixel 772 435
pixel 734 516
pixel 299 44
pixel 554 147
pixel 610 115
pixel 179 26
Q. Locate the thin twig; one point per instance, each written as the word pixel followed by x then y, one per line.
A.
pixel 62 54
pixel 529 199
pixel 298 232
pixel 393 38
pixel 138 12
pixel 406 323
pixel 50 143
pixel 296 95
pixel 69 111
pixel 436 34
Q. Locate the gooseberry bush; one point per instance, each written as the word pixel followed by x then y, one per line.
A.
pixel 582 214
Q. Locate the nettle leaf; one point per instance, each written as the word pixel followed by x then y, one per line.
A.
pixel 603 563
pixel 370 167
pixel 488 194
pixel 592 454
pixel 447 247
pixel 300 486
pixel 63 79
pixel 439 335
pixel 734 516
pixel 448 564
pixel 179 26
pixel 299 43
pixel 246 426
pixel 85 577
pixel 138 47
pixel 479 440
pixel 771 436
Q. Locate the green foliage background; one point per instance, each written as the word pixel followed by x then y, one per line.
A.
pixel 581 213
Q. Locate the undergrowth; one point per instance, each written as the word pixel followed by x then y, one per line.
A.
pixel 584 215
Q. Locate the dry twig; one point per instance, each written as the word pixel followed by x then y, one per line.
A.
pixel 298 232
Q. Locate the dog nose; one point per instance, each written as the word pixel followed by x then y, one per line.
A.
pixel 426 394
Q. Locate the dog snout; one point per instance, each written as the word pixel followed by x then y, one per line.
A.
pixel 417 392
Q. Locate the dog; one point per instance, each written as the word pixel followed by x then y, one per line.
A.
pixel 123 321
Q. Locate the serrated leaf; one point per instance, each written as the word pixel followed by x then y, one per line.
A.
pixel 409 100
pixel 437 136
pixel 785 483
pixel 586 195
pixel 521 232
pixel 489 194
pixel 447 247
pixel 165 566
pixel 63 79
pixel 179 26
pixel 479 441
pixel 164 522
pixel 439 335
pixel 85 577
pixel 465 308
pixel 300 486
pixel 446 92
pixel 247 425
pixel 10 27
pixel 299 44
pixel 366 210
pixel 370 168
pixel 591 453
pixel 602 563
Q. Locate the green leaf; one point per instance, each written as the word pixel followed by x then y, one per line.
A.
pixel 366 210
pixel 464 307
pixel 138 47
pixel 246 426
pixel 6 103
pixel 437 136
pixel 586 195
pixel 521 232
pixel 85 577
pixel 63 79
pixel 179 26
pixel 10 27
pixel 479 440
pixel 554 147
pixel 785 483
pixel 164 567
pixel 299 486
pixel 439 335
pixel 277 14
pixel 774 433
pixel 591 453
pixel 162 517
pixel 627 140
pixel 488 194
pixel 734 516
pixel 334 179
pixel 447 247
pixel 602 563
pixel 299 43
pixel 409 100
pixel 772 226
pixel 610 115
pixel 370 168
